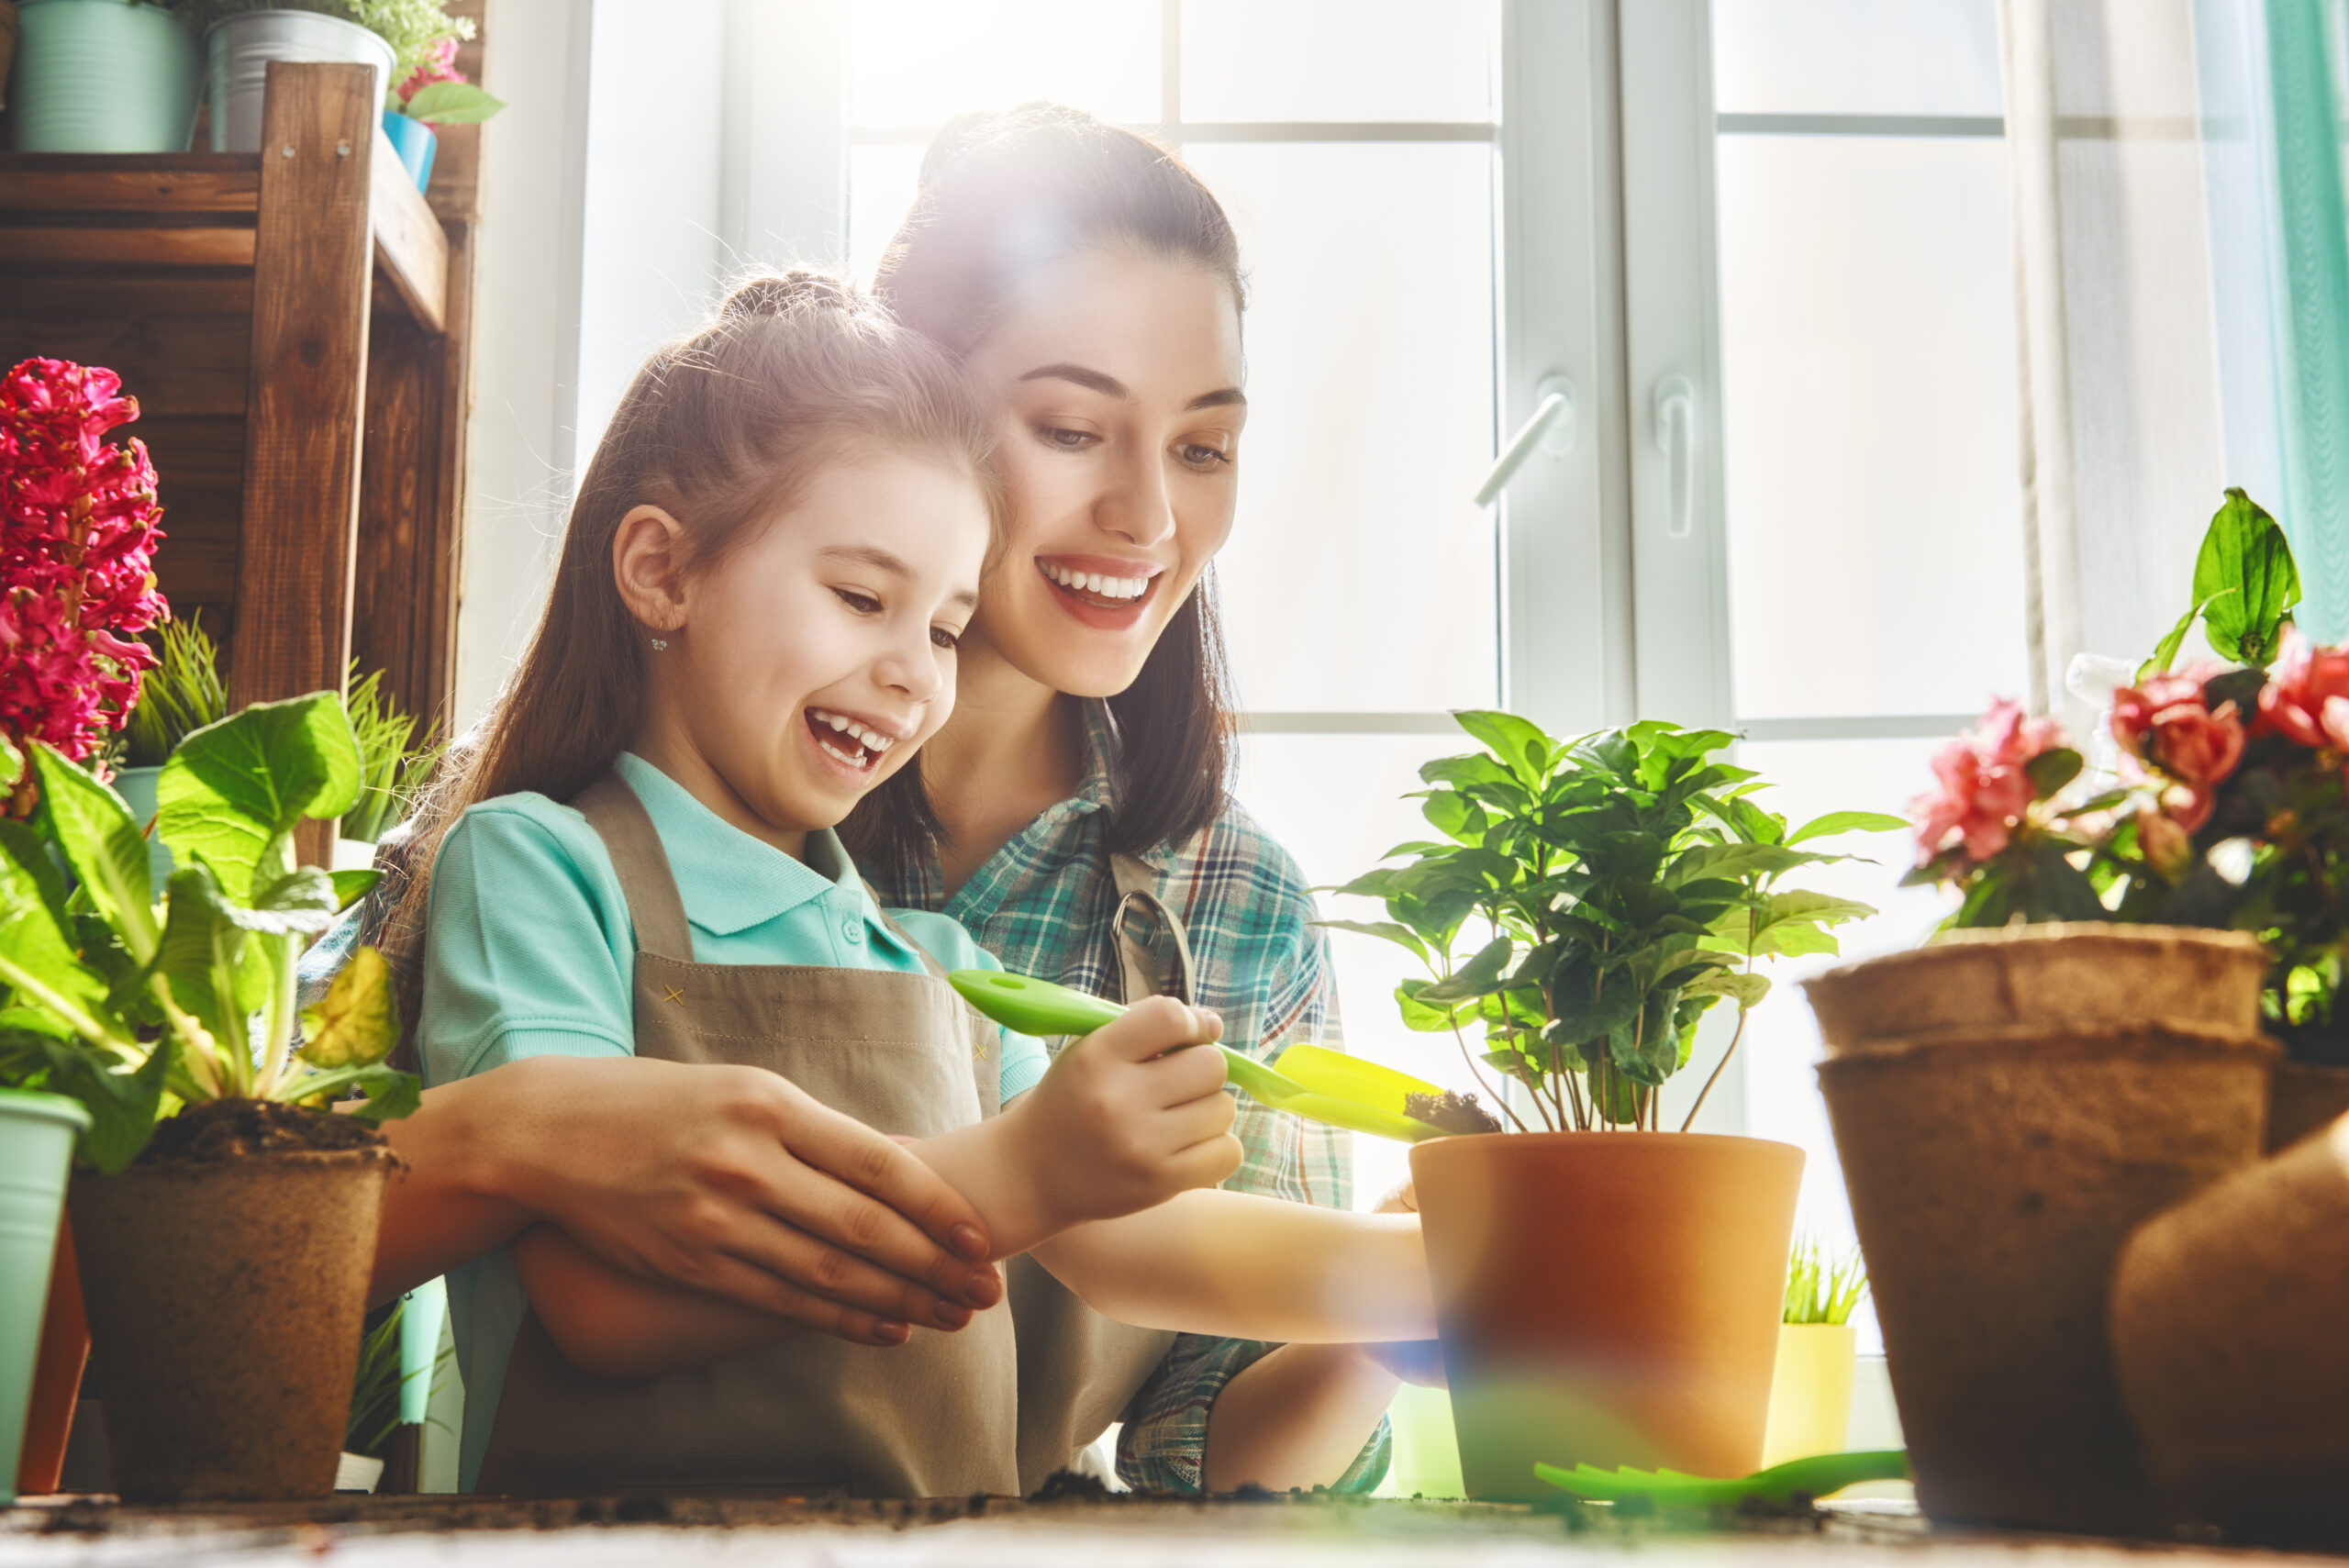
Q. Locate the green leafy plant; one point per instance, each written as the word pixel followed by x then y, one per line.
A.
pixel 117 999
pixel 391 770
pixel 376 1387
pixel 180 696
pixel 1622 884
pixel 415 28
pixel 1823 1288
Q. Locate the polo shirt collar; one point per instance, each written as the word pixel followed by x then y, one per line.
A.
pixel 727 880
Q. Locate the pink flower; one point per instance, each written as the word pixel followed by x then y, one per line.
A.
pixel 2168 722
pixel 438 65
pixel 1984 787
pixel 2307 695
pixel 77 543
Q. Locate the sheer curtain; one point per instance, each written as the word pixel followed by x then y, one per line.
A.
pixel 2182 272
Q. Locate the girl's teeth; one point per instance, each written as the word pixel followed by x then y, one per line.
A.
pixel 836 722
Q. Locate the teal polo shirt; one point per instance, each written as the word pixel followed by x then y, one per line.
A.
pixel 531 951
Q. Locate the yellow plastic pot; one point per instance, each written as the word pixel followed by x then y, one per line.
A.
pixel 1810 1396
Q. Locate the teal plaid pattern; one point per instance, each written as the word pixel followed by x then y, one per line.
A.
pixel 1043 905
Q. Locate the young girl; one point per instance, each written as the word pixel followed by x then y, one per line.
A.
pixel 753 624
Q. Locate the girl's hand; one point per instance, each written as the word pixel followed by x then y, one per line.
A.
pixel 726 1180
pixel 1129 1116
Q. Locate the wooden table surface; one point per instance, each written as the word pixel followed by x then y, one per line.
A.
pixel 396 1532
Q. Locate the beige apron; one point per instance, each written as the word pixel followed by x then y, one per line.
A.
pixel 1077 1369
pixel 903 1054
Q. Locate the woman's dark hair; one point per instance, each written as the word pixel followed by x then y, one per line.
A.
pixel 1003 195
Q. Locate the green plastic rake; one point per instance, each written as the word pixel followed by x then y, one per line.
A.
pixel 1813 1478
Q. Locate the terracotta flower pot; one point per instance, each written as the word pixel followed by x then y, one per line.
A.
pixel 226 1302
pixel 2227 1333
pixel 2304 1097
pixel 1606 1297
pixel 57 1375
pixel 1996 1165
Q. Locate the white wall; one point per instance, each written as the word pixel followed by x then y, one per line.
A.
pixel 649 150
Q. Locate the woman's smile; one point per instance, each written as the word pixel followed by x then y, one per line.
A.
pixel 1100 592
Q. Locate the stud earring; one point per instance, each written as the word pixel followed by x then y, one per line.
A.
pixel 658 645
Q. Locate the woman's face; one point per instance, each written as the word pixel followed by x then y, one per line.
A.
pixel 1118 376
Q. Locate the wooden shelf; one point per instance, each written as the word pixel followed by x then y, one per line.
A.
pixel 164 211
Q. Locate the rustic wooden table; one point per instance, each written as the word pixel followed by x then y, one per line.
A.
pixel 396 1532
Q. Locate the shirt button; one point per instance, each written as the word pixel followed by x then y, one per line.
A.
pixel 853 930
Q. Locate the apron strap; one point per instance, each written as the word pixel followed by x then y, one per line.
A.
pixel 642 865
pixel 929 965
pixel 1137 971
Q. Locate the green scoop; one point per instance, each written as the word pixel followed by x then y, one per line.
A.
pixel 1813 1478
pixel 1320 1085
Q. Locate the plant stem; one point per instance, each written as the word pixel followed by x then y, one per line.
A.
pixel 1582 1116
pixel 1501 1100
pixel 1735 1036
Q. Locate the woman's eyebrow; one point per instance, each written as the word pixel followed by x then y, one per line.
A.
pixel 1110 386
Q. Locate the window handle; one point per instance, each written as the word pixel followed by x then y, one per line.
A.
pixel 1551 430
pixel 1675 438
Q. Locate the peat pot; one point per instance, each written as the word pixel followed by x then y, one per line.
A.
pixel 1607 1298
pixel 226 1299
pixel 2008 1106
pixel 2304 1097
pixel 239 48
pixel 37 1133
pixel 2226 1318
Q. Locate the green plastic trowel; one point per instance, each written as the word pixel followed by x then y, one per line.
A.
pixel 1813 1478
pixel 1321 1085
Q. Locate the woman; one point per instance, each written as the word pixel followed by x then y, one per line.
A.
pixel 1092 284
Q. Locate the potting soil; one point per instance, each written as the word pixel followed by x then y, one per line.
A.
pixel 239 1130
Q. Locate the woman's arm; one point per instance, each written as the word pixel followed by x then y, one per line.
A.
pixel 724 1180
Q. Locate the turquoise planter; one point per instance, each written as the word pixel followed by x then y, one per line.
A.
pixel 136 787
pixel 37 1133
pixel 415 142
pixel 103 76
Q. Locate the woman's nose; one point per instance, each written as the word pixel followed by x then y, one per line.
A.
pixel 1140 509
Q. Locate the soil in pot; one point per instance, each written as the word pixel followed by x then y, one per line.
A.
pixel 2227 1334
pixel 226 1277
pixel 1607 1298
pixel 1993 1183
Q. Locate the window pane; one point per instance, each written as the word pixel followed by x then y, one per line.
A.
pixel 1871 425
pixel 1335 802
pixel 1781 1044
pixel 881 185
pixel 1338 60
pixel 924 62
pixel 1856 57
pixel 1358 576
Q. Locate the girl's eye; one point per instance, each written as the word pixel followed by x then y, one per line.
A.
pixel 1198 456
pixel 863 604
pixel 942 638
pixel 1066 440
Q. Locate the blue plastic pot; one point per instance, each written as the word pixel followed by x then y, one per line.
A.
pixel 416 144
pixel 103 76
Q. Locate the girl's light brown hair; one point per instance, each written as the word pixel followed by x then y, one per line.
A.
pixel 1002 196
pixel 721 430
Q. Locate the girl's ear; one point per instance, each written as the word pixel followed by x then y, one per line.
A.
pixel 647 562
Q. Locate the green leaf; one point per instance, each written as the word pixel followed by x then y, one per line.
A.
pixel 37 957
pixel 2246 576
pixel 351 886
pixel 1420 1016
pixel 1744 989
pixel 1589 1010
pixel 451 103
pixel 300 903
pixel 103 844
pixel 122 1104
pixel 1847 822
pixel 1480 974
pixel 2051 771
pixel 1797 904
pixel 2166 650
pixel 12 763
pixel 1518 742
pixel 356 1023
pixel 203 957
pixel 234 790
pixel 1384 930
pixel 391 1093
pixel 1740 862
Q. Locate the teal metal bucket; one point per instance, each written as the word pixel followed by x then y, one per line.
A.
pixel 37 1133
pixel 103 76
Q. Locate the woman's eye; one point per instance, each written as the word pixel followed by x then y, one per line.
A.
pixel 941 637
pixel 863 604
pixel 1066 439
pixel 1199 456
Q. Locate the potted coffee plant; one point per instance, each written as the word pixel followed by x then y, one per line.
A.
pixel 2089 1045
pixel 1610 890
pixel 1810 1396
pixel 78 534
pixel 253 1204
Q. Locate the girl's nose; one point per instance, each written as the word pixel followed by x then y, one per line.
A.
pixel 910 666
pixel 1139 509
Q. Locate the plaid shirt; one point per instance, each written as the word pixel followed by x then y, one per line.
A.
pixel 1043 905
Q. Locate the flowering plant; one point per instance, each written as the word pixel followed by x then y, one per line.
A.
pixel 2229 806
pixel 77 540
pixel 426 85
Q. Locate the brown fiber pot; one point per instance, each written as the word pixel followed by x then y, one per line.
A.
pixel 57 1374
pixel 1607 1298
pixel 225 1303
pixel 1995 1166
pixel 2304 1098
pixel 2228 1331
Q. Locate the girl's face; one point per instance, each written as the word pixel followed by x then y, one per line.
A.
pixel 1119 379
pixel 809 663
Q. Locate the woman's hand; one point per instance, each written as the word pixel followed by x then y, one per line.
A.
pixel 726 1180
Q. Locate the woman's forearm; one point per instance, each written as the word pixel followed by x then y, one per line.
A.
pixel 446 1208
pixel 1243 1267
pixel 1296 1418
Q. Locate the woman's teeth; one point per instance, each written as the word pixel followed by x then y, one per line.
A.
pixel 871 742
pixel 1095 583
